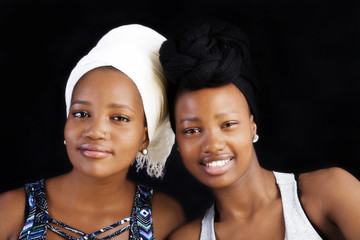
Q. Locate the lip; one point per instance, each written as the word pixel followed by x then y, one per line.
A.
pixel 217 164
pixel 94 151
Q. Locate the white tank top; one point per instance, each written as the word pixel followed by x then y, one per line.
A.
pixel 297 225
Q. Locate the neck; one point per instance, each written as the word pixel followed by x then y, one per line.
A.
pixel 91 193
pixel 253 190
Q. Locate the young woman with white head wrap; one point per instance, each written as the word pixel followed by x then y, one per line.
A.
pixel 125 49
pixel 116 112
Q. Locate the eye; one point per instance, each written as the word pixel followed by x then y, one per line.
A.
pixel 229 124
pixel 191 131
pixel 80 114
pixel 121 118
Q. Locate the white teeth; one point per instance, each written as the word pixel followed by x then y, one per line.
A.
pixel 217 163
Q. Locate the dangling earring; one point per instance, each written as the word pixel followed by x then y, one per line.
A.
pixel 255 138
pixel 144 151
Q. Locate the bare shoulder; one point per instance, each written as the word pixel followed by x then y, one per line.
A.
pixel 327 184
pixel 326 179
pixel 330 198
pixel 166 205
pixel 188 231
pixel 12 212
pixel 168 215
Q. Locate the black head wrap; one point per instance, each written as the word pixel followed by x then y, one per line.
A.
pixel 208 54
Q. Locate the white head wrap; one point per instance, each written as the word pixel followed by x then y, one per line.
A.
pixel 134 50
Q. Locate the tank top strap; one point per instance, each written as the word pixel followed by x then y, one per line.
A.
pixel 207 224
pixel 297 225
pixel 142 226
pixel 37 217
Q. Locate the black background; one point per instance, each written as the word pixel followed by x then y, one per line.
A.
pixel 307 57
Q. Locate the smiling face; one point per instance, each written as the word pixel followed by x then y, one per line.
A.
pixel 105 127
pixel 214 130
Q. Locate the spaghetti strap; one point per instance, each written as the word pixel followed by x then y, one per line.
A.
pixel 88 236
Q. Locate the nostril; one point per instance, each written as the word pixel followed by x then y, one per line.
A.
pixel 212 144
pixel 95 134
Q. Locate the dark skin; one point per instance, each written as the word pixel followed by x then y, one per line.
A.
pixel 104 131
pixel 214 131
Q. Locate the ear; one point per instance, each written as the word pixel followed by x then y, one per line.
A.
pixel 253 125
pixel 146 141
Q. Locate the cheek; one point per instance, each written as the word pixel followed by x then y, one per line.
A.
pixel 189 150
pixel 130 139
pixel 190 154
pixel 71 132
pixel 126 145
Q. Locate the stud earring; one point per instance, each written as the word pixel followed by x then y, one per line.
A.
pixel 64 142
pixel 255 138
pixel 144 151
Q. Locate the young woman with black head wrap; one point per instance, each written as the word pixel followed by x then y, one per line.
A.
pixel 211 96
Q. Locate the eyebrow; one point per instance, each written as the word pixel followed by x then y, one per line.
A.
pixel 219 115
pixel 82 102
pixel 116 105
pixel 111 105
pixel 190 119
pixel 196 119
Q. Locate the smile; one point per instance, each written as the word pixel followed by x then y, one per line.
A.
pixel 218 163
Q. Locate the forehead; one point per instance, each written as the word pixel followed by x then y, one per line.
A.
pixel 105 78
pixel 107 84
pixel 214 98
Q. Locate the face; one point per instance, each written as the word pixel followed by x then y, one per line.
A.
pixel 214 130
pixel 105 127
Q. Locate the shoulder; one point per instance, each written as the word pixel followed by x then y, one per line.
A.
pixel 327 181
pixel 326 185
pixel 168 214
pixel 12 212
pixel 166 205
pixel 331 199
pixel 188 231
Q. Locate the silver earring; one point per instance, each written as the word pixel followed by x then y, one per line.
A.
pixel 144 151
pixel 64 142
pixel 255 138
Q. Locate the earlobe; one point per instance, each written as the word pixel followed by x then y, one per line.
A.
pixel 144 151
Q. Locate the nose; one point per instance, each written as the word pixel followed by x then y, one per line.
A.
pixel 212 142
pixel 96 129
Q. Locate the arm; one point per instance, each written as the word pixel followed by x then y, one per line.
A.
pixel 168 215
pixel 331 199
pixel 12 212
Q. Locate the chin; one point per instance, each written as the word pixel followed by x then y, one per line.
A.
pixel 216 182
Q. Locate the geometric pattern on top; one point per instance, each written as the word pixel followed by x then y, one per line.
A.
pixel 38 220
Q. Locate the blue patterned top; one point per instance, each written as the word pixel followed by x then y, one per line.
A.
pixel 38 220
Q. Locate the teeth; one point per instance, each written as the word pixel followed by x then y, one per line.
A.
pixel 217 163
